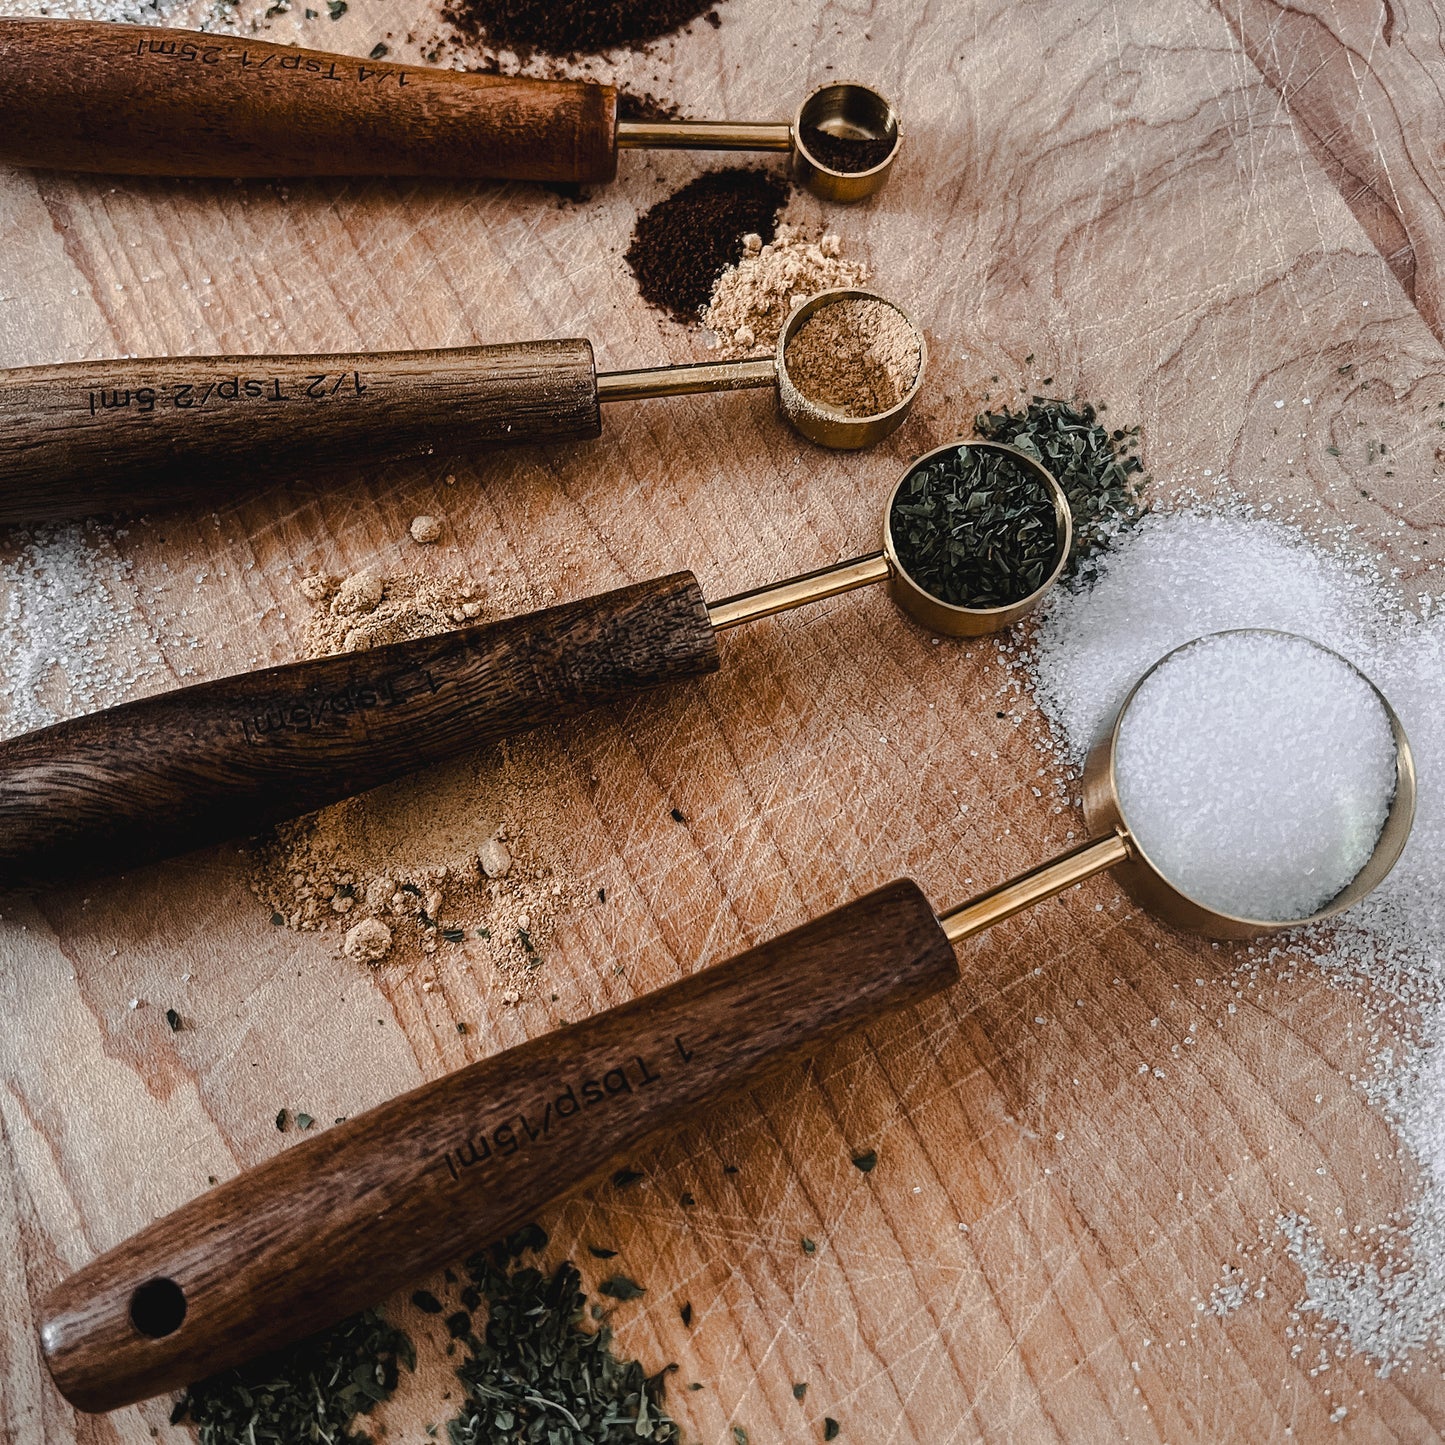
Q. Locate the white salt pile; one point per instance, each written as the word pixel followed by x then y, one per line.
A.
pixel 1255 771
pixel 1176 577
pixel 75 636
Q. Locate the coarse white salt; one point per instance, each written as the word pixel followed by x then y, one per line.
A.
pixel 1177 576
pixel 1255 771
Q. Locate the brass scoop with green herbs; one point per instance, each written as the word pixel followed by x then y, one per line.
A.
pixel 168 773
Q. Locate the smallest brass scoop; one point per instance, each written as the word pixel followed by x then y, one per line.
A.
pixel 843 109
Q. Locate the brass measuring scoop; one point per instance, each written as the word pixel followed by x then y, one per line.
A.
pixel 331 1225
pixel 171 772
pixel 103 436
pixel 145 100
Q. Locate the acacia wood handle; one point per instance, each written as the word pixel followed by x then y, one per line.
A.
pixel 167 773
pixel 331 1225
pixel 146 100
pixel 102 436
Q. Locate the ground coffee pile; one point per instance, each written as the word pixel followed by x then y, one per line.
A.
pixel 572 27
pixel 685 242
pixel 845 153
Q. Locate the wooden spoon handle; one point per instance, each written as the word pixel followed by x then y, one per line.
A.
pixel 102 436
pixel 335 1223
pixel 142 100
pixel 167 773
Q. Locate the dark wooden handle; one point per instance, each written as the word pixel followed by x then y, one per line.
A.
pixel 333 1224
pixel 142 100
pixel 103 436
pixel 167 773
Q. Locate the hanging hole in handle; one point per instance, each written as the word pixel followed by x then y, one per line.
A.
pixel 157 1308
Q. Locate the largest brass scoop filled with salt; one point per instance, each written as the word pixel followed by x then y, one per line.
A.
pixel 364 1209
pixel 180 769
pixel 83 437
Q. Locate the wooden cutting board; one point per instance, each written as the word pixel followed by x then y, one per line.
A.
pixel 1117 193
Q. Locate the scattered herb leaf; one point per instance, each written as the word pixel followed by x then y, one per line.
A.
pixel 677 816
pixel 304 1121
pixel 278 920
pixel 620 1287
pixel 459 1324
pixel 312 1392
pixel 740 1435
pixel 830 1428
pixel 624 1177
pixel 454 935
pixel 281 1118
pixel 866 1162
pixel 426 1302
pixel 379 49
pixel 597 1252
pixel 800 1389
pixel 809 1246
pixel 541 1376
pixel 174 1020
pixel 1097 467
pixel 686 1313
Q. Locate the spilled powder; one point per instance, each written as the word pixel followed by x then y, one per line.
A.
pixel 752 300
pixel 455 863
pixel 854 356
pixel 1375 1282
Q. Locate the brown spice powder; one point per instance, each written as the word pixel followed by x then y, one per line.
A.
pixel 854 356
pixel 752 301
pixel 459 863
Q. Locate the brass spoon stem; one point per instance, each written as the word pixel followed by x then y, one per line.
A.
pixel 685 380
pixel 1034 886
pixel 704 135
pixel 798 591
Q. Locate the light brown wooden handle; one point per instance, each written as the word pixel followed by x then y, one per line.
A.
pixel 104 436
pixel 333 1224
pixel 141 100
pixel 167 773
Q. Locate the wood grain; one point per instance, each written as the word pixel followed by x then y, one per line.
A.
pixel 1362 81
pixel 142 100
pixel 336 1223
pixel 1114 191
pixel 116 436
pixel 169 773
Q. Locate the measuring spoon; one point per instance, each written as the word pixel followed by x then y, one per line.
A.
pixel 101 436
pixel 172 772
pixel 144 100
pixel 331 1225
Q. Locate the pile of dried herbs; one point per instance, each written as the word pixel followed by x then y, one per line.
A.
pixel 1097 468
pixel 975 527
pixel 308 1394
pixel 540 1377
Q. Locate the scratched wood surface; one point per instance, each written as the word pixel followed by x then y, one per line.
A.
pixel 1077 1144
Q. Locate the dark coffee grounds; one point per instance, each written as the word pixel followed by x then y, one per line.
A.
pixel 634 105
pixel 841 153
pixel 572 27
pixel 684 243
